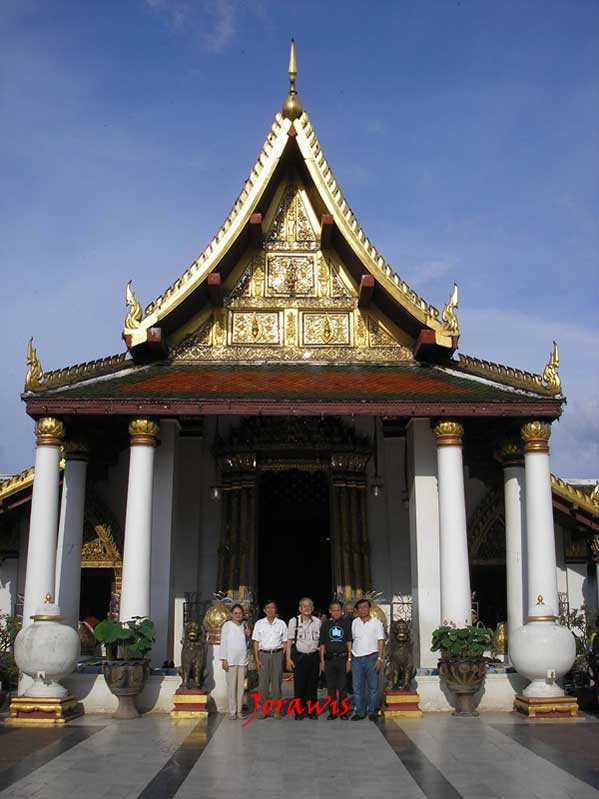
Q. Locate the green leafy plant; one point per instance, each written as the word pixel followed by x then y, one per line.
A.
pixel 582 623
pixel 9 671
pixel 462 642
pixel 133 638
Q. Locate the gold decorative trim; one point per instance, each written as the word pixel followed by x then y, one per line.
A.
pixel 594 547
pixel 75 449
pixel 502 374
pixel 448 433
pixel 449 315
pixel 586 502
pixel 102 551
pixel 134 314
pixel 49 432
pixel 71 374
pixel 336 205
pixel 35 373
pixel 550 376
pixel 511 453
pixel 143 432
pixel 535 436
pixel 542 618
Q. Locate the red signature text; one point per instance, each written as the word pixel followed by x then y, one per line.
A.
pixel 295 706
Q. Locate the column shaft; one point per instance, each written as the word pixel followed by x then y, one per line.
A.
pixel 70 536
pixel 135 596
pixel 542 574
pixel 456 602
pixel 515 537
pixel 41 550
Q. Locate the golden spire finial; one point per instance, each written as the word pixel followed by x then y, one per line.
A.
pixel 35 373
pixel 292 108
pixel 134 314
pixel 449 315
pixel 595 494
pixel 550 376
pixel 48 599
pixel 292 68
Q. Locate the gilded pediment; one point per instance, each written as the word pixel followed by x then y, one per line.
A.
pixel 291 300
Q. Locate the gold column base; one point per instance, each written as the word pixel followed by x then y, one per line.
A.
pixel 189 704
pixel 402 704
pixel 32 711
pixel 550 707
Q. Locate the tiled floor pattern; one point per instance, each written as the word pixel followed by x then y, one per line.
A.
pixel 496 756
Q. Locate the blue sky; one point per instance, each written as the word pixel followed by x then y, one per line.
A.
pixel 463 134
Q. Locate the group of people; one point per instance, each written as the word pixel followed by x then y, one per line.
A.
pixel 339 647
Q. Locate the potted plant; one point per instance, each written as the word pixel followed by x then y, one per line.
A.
pixel 462 663
pixel 127 666
pixel 9 671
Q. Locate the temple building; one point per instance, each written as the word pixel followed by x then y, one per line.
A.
pixel 290 418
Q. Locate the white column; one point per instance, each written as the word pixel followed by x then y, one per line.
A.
pixel 70 531
pixel 424 537
pixel 135 592
pixel 41 551
pixel 542 576
pixel 456 601
pixel 515 535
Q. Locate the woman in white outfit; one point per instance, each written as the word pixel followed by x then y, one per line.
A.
pixel 234 658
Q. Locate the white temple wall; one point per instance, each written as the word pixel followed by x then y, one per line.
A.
pixel 389 523
pixel 22 563
pixel 186 532
pixel 9 568
pixel 560 563
pixel 163 511
pixel 424 537
pixel 113 488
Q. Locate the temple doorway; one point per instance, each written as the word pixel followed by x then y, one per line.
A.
pixel 96 591
pixel 294 539
pixel 488 583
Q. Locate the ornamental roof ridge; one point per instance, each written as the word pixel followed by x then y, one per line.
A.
pixel 20 481
pixel 569 492
pixel 43 381
pixel 304 134
pixel 428 314
pixel 509 375
pixel 266 154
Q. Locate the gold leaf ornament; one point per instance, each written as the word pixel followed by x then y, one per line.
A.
pixel 551 377
pixel 449 315
pixel 134 314
pixel 35 373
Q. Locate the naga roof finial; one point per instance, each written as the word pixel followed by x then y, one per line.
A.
pixel 35 373
pixel 292 108
pixel 449 315
pixel 550 376
pixel 134 314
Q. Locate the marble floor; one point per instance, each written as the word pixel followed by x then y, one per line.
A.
pixel 437 757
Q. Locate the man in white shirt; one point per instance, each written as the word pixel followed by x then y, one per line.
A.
pixel 269 637
pixel 368 639
pixel 302 657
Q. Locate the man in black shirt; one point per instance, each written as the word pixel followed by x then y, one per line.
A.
pixel 335 658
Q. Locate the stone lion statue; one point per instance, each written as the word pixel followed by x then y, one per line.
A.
pixel 193 656
pixel 399 671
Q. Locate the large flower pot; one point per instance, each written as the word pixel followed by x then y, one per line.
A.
pixel 464 676
pixel 126 679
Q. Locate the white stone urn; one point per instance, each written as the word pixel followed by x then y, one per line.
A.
pixel 47 650
pixel 543 651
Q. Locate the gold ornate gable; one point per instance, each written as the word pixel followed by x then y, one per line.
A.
pixel 291 300
pixel 101 551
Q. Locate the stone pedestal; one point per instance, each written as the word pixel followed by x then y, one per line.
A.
pixel 190 704
pixel 401 704
pixel 28 711
pixel 554 707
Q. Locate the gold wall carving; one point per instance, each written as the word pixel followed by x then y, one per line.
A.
pixel 325 328
pixel 292 303
pixel 290 276
pixel 291 228
pixel 258 327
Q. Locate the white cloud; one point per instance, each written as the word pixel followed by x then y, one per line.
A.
pixel 213 22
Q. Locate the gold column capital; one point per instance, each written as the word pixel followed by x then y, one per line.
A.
pixel 594 545
pixel 448 433
pixel 535 436
pixel 49 431
pixel 75 448
pixel 510 453
pixel 143 432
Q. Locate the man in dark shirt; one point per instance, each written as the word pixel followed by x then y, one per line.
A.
pixel 335 657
